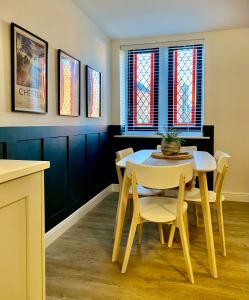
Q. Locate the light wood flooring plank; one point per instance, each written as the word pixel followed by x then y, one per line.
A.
pixel 79 266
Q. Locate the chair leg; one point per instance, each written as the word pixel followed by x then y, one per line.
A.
pixel 186 252
pixel 129 244
pixel 130 212
pixel 129 207
pixel 221 228
pixel 172 233
pixel 185 218
pixel 116 219
pixel 196 213
pixel 161 235
pixel 139 233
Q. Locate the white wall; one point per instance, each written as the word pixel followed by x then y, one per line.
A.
pixel 64 26
pixel 226 95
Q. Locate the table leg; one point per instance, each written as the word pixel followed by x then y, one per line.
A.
pixel 121 216
pixel 207 223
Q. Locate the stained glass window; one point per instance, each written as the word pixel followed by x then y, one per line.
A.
pixel 184 87
pixel 164 89
pixel 143 88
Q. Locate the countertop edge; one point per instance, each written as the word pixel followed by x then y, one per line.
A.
pixel 19 168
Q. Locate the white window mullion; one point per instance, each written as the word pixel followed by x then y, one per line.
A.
pixel 123 89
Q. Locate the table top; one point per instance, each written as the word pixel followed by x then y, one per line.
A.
pixel 12 169
pixel 202 161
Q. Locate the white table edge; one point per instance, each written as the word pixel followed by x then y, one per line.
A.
pixel 203 161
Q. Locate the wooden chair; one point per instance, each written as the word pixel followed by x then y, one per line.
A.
pixel 159 209
pixel 142 191
pixel 173 192
pixel 215 197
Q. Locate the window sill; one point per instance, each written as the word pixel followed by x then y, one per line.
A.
pixel 154 136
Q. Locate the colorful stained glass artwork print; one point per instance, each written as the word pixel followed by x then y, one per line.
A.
pixel 184 86
pixel 69 85
pixel 29 69
pixel 143 88
pixel 93 93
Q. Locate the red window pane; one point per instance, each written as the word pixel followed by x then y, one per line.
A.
pixel 184 87
pixel 143 89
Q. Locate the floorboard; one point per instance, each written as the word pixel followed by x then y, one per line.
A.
pixel 78 264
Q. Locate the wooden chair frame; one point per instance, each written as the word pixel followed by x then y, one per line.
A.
pixel 222 168
pixel 181 219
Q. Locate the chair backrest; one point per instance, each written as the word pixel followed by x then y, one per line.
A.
pixel 217 154
pixel 120 155
pixel 160 177
pixel 222 159
pixel 123 153
pixel 185 149
pixel 182 149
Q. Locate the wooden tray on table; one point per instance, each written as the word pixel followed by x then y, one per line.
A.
pixel 179 156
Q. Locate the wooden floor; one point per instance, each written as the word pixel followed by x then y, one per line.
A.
pixel 79 263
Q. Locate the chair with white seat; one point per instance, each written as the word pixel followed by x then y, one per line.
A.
pixel 185 149
pixel 159 209
pixel 173 192
pixel 215 197
pixel 142 191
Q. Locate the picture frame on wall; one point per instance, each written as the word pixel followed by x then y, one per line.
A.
pixel 29 71
pixel 69 69
pixel 93 93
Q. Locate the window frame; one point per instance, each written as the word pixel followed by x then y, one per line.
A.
pixel 163 114
pixel 199 89
pixel 132 124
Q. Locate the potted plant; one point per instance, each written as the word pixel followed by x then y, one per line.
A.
pixel 171 143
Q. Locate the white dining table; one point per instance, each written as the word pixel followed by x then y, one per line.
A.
pixel 203 162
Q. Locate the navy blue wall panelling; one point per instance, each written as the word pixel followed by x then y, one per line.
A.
pixel 77 170
pixel 55 151
pixel 93 170
pixel 80 162
pixel 81 157
pixel 28 150
pixel 1 150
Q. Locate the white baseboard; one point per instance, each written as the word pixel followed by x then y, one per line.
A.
pixel 237 197
pixel 59 229
pixel 115 187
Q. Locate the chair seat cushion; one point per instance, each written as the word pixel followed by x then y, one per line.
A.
pixel 159 209
pixel 143 191
pixel 194 196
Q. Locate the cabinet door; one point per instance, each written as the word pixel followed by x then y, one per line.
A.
pixel 22 239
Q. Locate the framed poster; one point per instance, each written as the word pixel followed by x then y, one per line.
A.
pixel 69 85
pixel 29 57
pixel 93 93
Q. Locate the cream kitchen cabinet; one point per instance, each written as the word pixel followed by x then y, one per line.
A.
pixel 22 251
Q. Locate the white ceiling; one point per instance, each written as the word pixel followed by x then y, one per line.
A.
pixel 139 18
